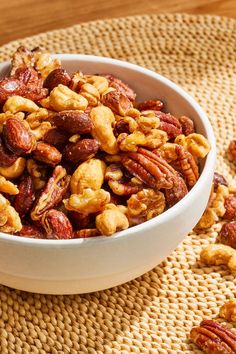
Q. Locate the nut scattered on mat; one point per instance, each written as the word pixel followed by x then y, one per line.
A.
pixel 214 338
pixel 85 158
pixel 228 311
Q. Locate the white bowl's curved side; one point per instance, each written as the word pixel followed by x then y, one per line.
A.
pixel 83 265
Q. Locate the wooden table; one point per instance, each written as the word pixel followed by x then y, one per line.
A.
pixel 21 18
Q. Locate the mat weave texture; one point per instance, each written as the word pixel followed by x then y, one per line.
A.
pixel 154 313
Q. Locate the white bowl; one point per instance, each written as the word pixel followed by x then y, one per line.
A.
pixel 85 265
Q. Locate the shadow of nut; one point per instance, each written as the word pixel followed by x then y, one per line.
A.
pixel 73 122
pixel 81 150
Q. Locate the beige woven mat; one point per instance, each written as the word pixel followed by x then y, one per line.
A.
pixel 154 313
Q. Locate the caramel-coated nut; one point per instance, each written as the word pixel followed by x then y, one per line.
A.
pixel 16 104
pixel 89 201
pixel 91 93
pixel 227 234
pixel 228 311
pixel 8 187
pixel 80 151
pixel 57 225
pixel 155 105
pixel 47 154
pixel 219 179
pixel 100 82
pixel 73 122
pixel 62 98
pixel 117 102
pixel 24 200
pixel 121 86
pixel 44 63
pixel 56 138
pixel 89 174
pixel 230 207
pixel 217 254
pixel 17 137
pixel 31 231
pixel 102 119
pixel 9 218
pixel 15 170
pixel 57 77
pixel 195 143
pixel 232 151
pixel 187 125
pixel 7 158
pixel 111 220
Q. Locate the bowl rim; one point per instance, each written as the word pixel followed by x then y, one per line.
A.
pixel 162 218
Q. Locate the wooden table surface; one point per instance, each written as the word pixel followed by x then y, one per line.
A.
pixel 21 18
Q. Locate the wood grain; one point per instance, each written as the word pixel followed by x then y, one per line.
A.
pixel 21 18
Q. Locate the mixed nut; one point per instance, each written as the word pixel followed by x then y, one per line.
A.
pixel 79 157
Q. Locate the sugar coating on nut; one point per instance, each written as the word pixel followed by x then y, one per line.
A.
pixel 217 254
pixel 228 311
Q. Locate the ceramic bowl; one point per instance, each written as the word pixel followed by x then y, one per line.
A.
pixel 86 265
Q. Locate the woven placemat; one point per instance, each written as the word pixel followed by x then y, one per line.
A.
pixel 154 313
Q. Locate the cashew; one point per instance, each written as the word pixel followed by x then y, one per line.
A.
pixel 100 82
pixel 111 220
pixel 62 98
pixel 7 187
pixel 103 118
pixel 9 219
pixel 217 254
pixel 16 104
pixel 15 170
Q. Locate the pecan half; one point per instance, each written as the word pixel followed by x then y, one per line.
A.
pixel 56 138
pixel 151 169
pixel 47 154
pixel 56 77
pixel 57 225
pixel 187 125
pixel 154 105
pixel 232 150
pixel 175 194
pixel 230 207
pixel 24 201
pixel 80 151
pixel 227 234
pixel 169 124
pixel 73 122
pixel 17 137
pixel 219 179
pixel 52 194
pixel 7 158
pixel 120 86
pixel 31 231
pixel 117 102
pixel 213 338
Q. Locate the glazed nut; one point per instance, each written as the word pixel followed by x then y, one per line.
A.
pixel 41 130
pixel 217 254
pixel 8 187
pixel 111 220
pixel 121 87
pixel 187 125
pixel 73 122
pixel 47 154
pixel 89 174
pixel 57 225
pixel 195 143
pixel 31 231
pixel 85 233
pixel 44 63
pixel 145 205
pixel 103 119
pixel 230 207
pixel 10 86
pixel 7 158
pixel 35 119
pixel 37 173
pixel 227 234
pixel 5 116
pixel 79 221
pixel 232 150
pixel 52 193
pixel 175 194
pixel 56 138
pixel 17 137
pixel 169 124
pixel 89 201
pixel 62 98
pixel 130 142
pixel 99 82
pixel 91 93
pixel 15 170
pixel 212 337
pixel 80 151
pixel 155 105
pixel 9 219
pixel 24 200
pixel 228 311
pixel 146 124
pixel 125 125
pixel 57 77
pixel 117 102
pixel 219 179
pixel 16 104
